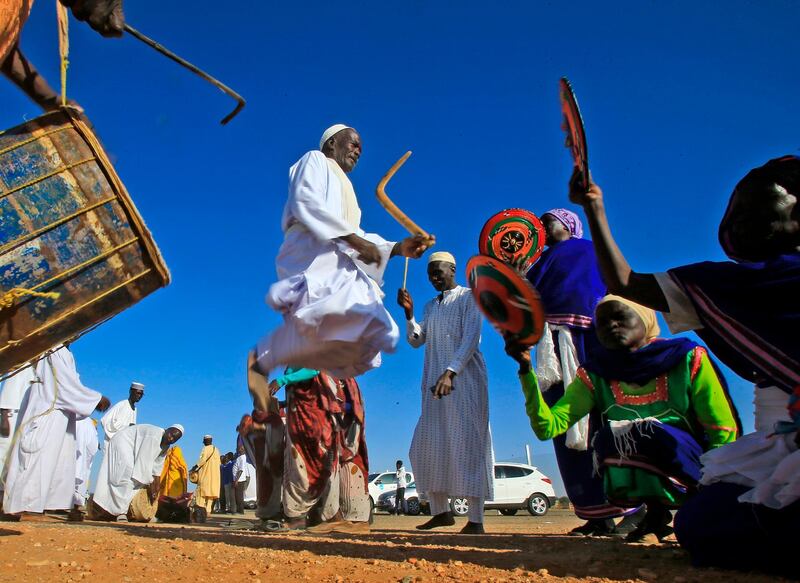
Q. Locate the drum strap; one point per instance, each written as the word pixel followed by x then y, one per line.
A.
pixel 63 47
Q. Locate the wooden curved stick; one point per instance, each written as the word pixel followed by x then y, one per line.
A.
pixel 391 208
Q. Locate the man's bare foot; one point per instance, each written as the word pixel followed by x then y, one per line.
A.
pixel 443 519
pixel 473 528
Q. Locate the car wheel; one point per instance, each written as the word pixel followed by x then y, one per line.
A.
pixel 371 510
pixel 412 506
pixel 537 505
pixel 508 511
pixel 459 506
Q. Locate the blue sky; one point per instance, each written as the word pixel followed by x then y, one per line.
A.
pixel 679 99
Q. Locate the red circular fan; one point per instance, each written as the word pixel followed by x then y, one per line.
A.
pixel 512 234
pixel 507 299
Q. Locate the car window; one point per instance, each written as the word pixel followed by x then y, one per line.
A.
pixel 372 477
pixel 499 473
pixel 515 472
pixel 386 479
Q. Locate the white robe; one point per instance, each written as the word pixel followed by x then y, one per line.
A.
pixel 86 445
pixel 452 447
pixel 132 458
pixel 41 468
pixel 332 304
pixel 12 394
pixel 118 417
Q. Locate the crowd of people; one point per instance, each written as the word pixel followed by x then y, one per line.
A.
pixel 642 426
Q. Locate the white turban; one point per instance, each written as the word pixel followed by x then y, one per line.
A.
pixel 177 426
pixel 207 436
pixel 334 129
pixel 442 256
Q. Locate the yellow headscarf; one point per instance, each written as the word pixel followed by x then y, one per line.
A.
pixel 646 315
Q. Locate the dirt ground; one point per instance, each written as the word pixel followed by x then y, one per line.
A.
pixel 516 548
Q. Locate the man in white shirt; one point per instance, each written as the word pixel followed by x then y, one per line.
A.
pixel 41 464
pixel 240 475
pixel 400 493
pixel 122 414
pixel 451 451
pixel 330 270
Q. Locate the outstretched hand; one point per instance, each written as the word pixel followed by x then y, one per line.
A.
pixel 579 195
pixel 103 404
pixel 520 353
pixel 414 246
pixel 104 16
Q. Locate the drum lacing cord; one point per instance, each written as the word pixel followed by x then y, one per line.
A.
pixel 8 298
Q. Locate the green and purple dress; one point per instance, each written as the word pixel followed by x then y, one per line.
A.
pixel 653 433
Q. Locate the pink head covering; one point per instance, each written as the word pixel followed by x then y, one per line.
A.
pixel 570 220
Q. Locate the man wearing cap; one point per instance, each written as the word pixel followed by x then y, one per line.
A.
pixel 451 452
pixel 330 270
pixel 208 475
pixel 122 414
pixel 134 459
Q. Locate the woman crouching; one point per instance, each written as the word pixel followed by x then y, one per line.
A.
pixel 662 404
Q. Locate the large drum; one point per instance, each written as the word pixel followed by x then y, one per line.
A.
pixel 74 250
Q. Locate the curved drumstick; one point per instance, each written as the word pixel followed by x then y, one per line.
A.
pixel 216 83
pixel 391 208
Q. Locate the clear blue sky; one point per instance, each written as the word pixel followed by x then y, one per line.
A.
pixel 679 98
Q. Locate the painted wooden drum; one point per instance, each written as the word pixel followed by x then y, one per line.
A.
pixel 507 299
pixel 141 509
pixel 74 250
pixel 513 234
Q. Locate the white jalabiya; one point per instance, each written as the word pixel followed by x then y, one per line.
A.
pixel 118 417
pixel 451 452
pixel 332 304
pixel 769 464
pixel 12 394
pixel 86 446
pixel 41 467
pixel 132 458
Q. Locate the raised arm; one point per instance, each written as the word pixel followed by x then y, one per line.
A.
pixel 621 280
pixel 549 422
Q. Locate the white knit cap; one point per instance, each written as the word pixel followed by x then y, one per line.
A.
pixel 177 426
pixel 137 387
pixel 443 256
pixel 334 129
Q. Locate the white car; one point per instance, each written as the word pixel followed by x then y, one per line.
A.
pixel 516 486
pixel 383 482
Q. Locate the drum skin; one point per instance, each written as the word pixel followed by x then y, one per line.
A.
pixel 507 299
pixel 513 234
pixel 68 226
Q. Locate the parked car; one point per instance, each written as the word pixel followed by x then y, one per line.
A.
pixel 516 486
pixel 386 500
pixel 382 482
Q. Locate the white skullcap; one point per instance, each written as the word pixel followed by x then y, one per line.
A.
pixel 177 426
pixel 137 387
pixel 443 256
pixel 334 129
pixel 207 436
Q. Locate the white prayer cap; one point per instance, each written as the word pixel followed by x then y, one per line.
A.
pixel 207 436
pixel 137 387
pixel 177 426
pixel 442 256
pixel 334 129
